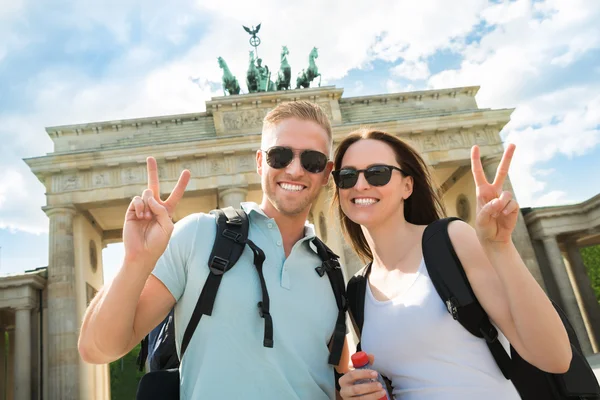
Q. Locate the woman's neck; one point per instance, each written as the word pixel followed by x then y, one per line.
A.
pixel 392 241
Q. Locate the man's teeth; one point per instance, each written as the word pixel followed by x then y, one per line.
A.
pixel 290 187
pixel 365 202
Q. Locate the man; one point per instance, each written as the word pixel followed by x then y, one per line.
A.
pixel 166 266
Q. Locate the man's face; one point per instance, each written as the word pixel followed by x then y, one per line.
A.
pixel 292 189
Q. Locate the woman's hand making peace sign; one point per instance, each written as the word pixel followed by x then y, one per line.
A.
pixel 148 225
pixel 497 211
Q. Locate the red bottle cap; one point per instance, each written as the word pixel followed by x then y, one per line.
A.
pixel 359 359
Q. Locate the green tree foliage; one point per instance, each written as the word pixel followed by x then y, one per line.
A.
pixel 125 376
pixel 591 259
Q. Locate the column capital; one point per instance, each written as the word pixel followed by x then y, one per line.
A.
pixel 233 189
pixel 63 209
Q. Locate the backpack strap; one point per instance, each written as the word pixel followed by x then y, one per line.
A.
pixel 356 290
pixel 451 283
pixel 230 240
pixel 332 268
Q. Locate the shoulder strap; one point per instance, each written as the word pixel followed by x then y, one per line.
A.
pixel 230 240
pixel 451 283
pixel 357 287
pixel 332 268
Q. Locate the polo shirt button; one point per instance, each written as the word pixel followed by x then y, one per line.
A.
pixel 270 225
pixel 279 243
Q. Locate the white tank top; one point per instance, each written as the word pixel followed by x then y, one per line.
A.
pixel 425 352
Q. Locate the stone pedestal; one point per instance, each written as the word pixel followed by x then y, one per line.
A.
pixel 566 292
pixel 520 235
pixel 63 324
pixel 232 197
pixel 586 293
pixel 23 354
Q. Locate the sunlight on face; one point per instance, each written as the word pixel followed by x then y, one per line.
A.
pixel 364 203
pixel 299 135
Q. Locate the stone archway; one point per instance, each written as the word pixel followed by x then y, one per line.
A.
pixel 96 168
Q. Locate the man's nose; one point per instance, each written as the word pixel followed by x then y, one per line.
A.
pixel 295 169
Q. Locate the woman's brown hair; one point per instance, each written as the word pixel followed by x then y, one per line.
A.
pixel 422 207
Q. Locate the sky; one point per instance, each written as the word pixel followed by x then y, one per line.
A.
pixel 67 62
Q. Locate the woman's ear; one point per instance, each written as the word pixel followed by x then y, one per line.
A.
pixel 407 186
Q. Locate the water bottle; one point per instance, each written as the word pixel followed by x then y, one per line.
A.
pixel 360 360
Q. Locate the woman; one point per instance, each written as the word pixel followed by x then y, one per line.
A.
pixel 385 199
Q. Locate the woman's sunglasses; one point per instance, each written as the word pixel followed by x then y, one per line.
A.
pixel 376 175
pixel 280 157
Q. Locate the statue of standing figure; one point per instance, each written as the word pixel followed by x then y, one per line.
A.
pixel 306 76
pixel 258 77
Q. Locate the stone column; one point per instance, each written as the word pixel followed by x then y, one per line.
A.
pixel 520 235
pixel 567 294
pixel 10 366
pixel 232 197
pixel 23 354
pixel 3 356
pixel 63 324
pixel 586 293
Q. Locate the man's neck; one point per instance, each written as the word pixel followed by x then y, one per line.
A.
pixel 291 227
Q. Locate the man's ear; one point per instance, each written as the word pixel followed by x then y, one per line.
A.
pixel 327 173
pixel 259 157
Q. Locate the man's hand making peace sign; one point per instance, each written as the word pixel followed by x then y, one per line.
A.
pixel 148 224
pixel 497 211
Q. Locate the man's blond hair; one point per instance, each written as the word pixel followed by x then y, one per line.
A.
pixel 302 110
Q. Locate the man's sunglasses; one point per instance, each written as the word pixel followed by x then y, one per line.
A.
pixel 376 175
pixel 280 157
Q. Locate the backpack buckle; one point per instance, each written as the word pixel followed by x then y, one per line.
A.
pixel 451 306
pixel 218 265
pixel 326 266
pixel 262 311
pixel 490 334
pixel 229 234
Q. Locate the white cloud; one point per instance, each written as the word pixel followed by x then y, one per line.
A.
pixel 527 40
pixel 411 70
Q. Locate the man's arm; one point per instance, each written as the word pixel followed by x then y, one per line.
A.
pixel 121 315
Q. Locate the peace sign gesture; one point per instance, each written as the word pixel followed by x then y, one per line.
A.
pixel 497 211
pixel 148 225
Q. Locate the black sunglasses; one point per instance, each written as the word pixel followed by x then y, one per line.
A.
pixel 376 175
pixel 280 157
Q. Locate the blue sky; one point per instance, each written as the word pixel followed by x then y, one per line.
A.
pixel 65 62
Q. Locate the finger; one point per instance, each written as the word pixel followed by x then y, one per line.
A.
pixel 371 359
pixel 503 168
pixel 153 183
pixel 477 168
pixel 511 207
pixel 356 374
pixel 146 196
pixel 364 390
pixel 161 214
pixel 138 207
pixel 178 191
pixel 487 212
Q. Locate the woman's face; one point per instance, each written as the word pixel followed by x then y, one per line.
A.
pixel 367 204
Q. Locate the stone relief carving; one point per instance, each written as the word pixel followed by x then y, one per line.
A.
pixel 246 163
pixel 100 179
pixel 245 119
pixel 130 175
pixel 71 182
pixel 479 137
pixel 430 142
pixel 454 140
pixel 216 166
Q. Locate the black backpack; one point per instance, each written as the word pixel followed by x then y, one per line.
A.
pixel 230 241
pixel 452 285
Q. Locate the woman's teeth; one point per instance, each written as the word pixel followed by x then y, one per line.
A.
pixel 365 202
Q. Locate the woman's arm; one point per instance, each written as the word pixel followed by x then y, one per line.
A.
pixel 513 299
